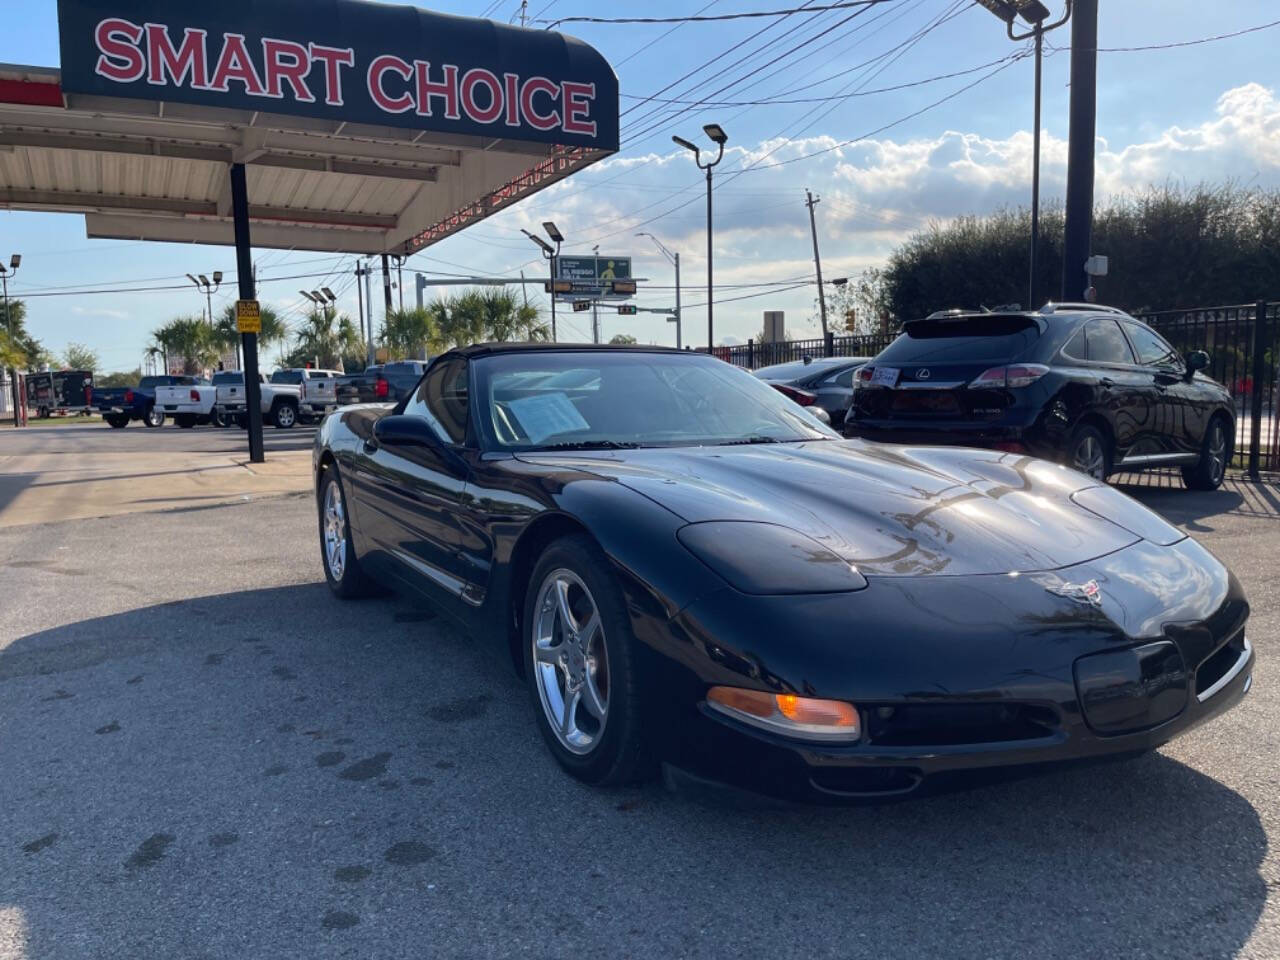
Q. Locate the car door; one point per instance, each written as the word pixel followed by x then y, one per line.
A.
pixel 1181 417
pixel 1125 390
pixel 410 497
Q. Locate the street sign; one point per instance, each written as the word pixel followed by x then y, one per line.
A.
pixel 627 310
pixel 593 277
pixel 581 306
pixel 248 316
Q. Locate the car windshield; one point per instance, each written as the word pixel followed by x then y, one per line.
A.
pixel 962 340
pixel 539 400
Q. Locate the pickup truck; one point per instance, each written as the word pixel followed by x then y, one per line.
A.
pixel 382 383
pixel 120 405
pixel 316 397
pixel 280 401
pixel 188 405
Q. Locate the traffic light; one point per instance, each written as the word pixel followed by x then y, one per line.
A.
pixel 623 287
pixel 559 286
pixel 627 310
pixel 851 320
pixel 581 306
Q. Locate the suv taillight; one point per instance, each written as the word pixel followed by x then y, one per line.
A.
pixel 381 388
pixel 1014 375
pixel 802 397
pixel 128 397
pixel 866 373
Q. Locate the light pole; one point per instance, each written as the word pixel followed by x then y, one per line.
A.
pixel 15 261
pixel 674 259
pixel 550 254
pixel 1035 13
pixel 719 138
pixel 209 289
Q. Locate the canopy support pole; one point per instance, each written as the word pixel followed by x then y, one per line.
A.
pixel 249 341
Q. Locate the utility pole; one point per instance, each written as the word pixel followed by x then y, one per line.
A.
pixel 595 316
pixel 812 202
pixel 359 297
pixel 1080 157
pixel 368 295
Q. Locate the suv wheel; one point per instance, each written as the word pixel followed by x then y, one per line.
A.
pixel 284 415
pixel 1215 452
pixel 153 418
pixel 1088 453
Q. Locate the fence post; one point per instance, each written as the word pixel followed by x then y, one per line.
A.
pixel 829 343
pixel 1255 393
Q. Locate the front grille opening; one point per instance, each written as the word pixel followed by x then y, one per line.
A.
pixel 867 781
pixel 1219 662
pixel 945 724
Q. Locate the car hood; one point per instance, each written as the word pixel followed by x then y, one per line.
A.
pixel 892 511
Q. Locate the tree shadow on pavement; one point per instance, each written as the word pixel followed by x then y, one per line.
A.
pixel 1196 510
pixel 276 773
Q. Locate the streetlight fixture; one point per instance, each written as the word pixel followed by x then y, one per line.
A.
pixel 717 136
pixel 1035 13
pixel 208 288
pixel 15 262
pixel 550 254
pixel 674 259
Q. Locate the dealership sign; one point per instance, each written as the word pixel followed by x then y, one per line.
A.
pixel 594 276
pixel 346 61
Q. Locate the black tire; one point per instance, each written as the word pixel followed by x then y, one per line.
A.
pixel 350 581
pixel 42 413
pixel 1215 454
pixel 117 423
pixel 153 418
pixel 1089 452
pixel 185 421
pixel 620 753
pixel 284 415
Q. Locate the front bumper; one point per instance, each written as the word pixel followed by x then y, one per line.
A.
pixel 960 678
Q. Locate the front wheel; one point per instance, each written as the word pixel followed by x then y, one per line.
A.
pixel 284 416
pixel 582 667
pixel 1088 453
pixel 153 418
pixel 342 569
pixel 1215 451
pixel 118 423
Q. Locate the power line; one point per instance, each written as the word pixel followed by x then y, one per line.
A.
pixel 716 17
pixel 1183 43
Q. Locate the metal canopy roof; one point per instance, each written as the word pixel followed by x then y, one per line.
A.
pixel 156 169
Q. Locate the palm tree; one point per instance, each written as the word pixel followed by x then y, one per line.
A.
pixel 327 336
pixel 406 332
pixel 226 329
pixel 190 338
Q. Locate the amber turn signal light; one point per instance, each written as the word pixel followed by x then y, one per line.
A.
pixel 803 717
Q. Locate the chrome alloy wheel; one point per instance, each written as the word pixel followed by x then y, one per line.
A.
pixel 571 662
pixel 335 531
pixel 1217 452
pixel 1089 458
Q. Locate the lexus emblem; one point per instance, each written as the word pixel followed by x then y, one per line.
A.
pixel 923 374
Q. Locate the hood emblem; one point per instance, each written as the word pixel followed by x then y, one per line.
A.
pixel 1088 592
pixel 923 374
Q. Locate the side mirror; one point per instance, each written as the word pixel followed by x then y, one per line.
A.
pixel 1196 360
pixel 405 431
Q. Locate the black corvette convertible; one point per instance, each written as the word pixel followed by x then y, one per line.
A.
pixel 688 568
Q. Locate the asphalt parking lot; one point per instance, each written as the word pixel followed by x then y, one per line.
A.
pixel 206 755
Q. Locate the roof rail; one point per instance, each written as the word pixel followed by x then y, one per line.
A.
pixel 1050 308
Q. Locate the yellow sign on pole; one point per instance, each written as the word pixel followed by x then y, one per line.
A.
pixel 248 316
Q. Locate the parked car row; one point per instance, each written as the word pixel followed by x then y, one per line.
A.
pixel 1082 384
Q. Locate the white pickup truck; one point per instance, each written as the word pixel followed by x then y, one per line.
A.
pixel 317 390
pixel 188 405
pixel 280 401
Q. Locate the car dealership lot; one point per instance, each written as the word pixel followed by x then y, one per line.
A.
pixel 225 761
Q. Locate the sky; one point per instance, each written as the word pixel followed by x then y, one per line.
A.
pixel 1208 112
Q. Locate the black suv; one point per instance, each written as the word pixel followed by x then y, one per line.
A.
pixel 1088 386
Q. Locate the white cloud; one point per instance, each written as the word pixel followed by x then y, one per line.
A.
pixel 100 312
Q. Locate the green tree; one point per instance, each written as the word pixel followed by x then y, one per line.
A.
pixel 226 331
pixel 407 332
pixel 189 339
pixel 79 357
pixel 118 379
pixel 26 349
pixel 325 338
pixel 622 339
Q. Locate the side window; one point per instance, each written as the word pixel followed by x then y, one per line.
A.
pixel 442 400
pixel 1152 349
pixel 1105 343
pixel 842 379
pixel 1075 348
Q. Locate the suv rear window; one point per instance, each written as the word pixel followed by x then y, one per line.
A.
pixel 227 376
pixel 287 376
pixel 962 340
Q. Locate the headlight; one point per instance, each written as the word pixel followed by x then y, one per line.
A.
pixel 1125 512
pixel 766 559
pixel 785 713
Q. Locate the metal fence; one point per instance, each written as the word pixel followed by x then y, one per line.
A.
pixel 1243 343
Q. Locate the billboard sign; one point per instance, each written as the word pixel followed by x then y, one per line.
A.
pixel 344 61
pixel 592 276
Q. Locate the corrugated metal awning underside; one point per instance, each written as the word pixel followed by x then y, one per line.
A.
pixel 148 171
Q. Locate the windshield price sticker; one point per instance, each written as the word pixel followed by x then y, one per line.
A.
pixel 885 376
